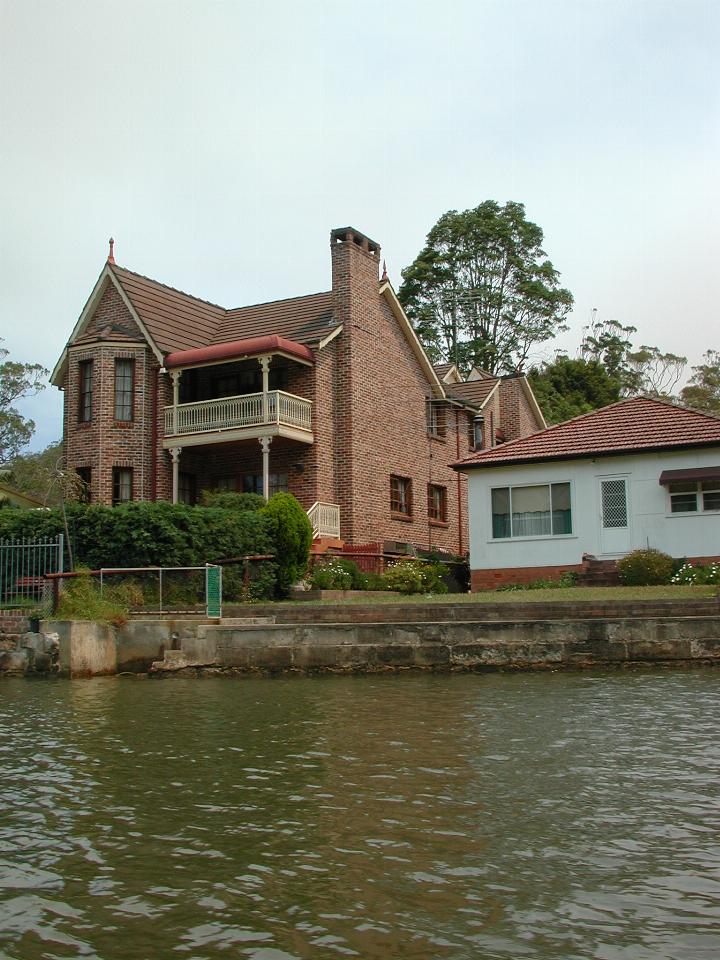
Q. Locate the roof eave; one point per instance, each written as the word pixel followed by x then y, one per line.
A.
pixel 463 466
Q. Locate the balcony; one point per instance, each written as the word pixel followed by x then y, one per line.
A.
pixel 248 416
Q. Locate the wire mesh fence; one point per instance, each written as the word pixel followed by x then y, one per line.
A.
pixel 161 590
pixel 24 567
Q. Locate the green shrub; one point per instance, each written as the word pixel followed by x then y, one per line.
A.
pixel 227 500
pixel 645 568
pixel 697 574
pixel 292 534
pixel 415 576
pixel 158 534
pixel 331 575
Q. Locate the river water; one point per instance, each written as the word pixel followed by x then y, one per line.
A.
pixel 477 816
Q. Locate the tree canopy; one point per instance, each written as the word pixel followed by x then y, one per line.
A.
pixel 569 387
pixel 703 388
pixel 17 380
pixel 482 291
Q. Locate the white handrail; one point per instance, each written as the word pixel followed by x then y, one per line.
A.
pixel 247 410
pixel 325 520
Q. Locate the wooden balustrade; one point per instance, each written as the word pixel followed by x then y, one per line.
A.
pixel 232 413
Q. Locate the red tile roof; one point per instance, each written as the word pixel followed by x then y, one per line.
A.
pixel 635 425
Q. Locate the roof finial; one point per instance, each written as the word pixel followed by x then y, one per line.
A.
pixel 111 255
pixel 384 277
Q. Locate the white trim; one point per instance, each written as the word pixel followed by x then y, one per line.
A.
pixel 528 390
pixel 387 291
pixel 241 433
pixel 330 337
pixel 488 398
pixel 86 316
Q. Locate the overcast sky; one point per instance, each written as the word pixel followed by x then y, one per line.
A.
pixel 219 141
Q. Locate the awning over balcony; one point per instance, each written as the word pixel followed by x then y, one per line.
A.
pixel 237 350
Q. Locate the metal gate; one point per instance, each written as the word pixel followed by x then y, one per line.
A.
pixel 24 565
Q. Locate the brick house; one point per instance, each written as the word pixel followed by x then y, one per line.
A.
pixel 329 396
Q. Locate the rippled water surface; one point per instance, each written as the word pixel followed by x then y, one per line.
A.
pixel 502 816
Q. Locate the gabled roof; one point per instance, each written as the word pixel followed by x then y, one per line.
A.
pixel 629 426
pixel 475 392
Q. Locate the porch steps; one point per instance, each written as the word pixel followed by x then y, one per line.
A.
pixel 598 573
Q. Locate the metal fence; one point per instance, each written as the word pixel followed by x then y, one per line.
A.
pixel 24 565
pixel 162 590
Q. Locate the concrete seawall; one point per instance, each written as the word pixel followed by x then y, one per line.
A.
pixel 245 646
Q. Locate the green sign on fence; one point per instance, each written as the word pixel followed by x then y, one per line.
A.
pixel 213 592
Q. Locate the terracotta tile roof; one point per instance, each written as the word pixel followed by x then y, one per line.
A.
pixel 634 425
pixel 441 369
pixel 303 319
pixel 175 320
pixel 475 392
pixel 178 321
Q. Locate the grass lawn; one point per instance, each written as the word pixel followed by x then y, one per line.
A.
pixel 574 594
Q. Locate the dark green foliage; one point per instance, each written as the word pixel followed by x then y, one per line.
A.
pixel 482 292
pixel 292 533
pixel 156 534
pixel 232 501
pixel 567 388
pixel 645 568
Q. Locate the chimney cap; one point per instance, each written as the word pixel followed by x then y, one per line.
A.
pixel 350 234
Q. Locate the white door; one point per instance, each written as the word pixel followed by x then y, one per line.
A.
pixel 614 518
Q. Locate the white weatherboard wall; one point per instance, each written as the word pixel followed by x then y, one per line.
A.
pixel 649 517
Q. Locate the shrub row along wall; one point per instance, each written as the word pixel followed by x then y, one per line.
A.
pixel 162 534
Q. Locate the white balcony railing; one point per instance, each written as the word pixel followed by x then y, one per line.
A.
pixel 232 413
pixel 325 520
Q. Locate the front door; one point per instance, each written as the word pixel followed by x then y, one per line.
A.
pixel 614 519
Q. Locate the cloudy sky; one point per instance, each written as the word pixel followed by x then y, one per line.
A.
pixel 219 141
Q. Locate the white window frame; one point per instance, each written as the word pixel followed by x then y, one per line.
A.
pixel 699 500
pixel 539 536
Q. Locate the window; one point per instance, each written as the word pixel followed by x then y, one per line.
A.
pixel 124 376
pixel 85 372
pixel 187 488
pixel 437 503
pixel 475 432
pixel 692 496
pixel 532 511
pixel 435 420
pixel 85 475
pixel 226 484
pixel 253 483
pixel 122 479
pixel 401 496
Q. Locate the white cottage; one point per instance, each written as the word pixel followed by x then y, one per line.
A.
pixel 638 473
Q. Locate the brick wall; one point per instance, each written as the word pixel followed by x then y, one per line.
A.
pixel 103 443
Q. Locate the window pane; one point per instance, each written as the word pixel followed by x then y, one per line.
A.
pixel 501 512
pixel 683 503
pixel 561 516
pixel 684 486
pixel 123 390
pixel 711 501
pixel 531 511
pixel 710 486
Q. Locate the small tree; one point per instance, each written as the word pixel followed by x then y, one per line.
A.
pixel 293 537
pixel 17 380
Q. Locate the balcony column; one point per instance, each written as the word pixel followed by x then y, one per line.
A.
pixel 264 362
pixel 175 377
pixel 175 455
pixel 265 446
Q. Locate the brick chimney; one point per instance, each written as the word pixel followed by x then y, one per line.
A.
pixel 355 270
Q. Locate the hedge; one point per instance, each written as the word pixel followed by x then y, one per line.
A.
pixel 163 534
